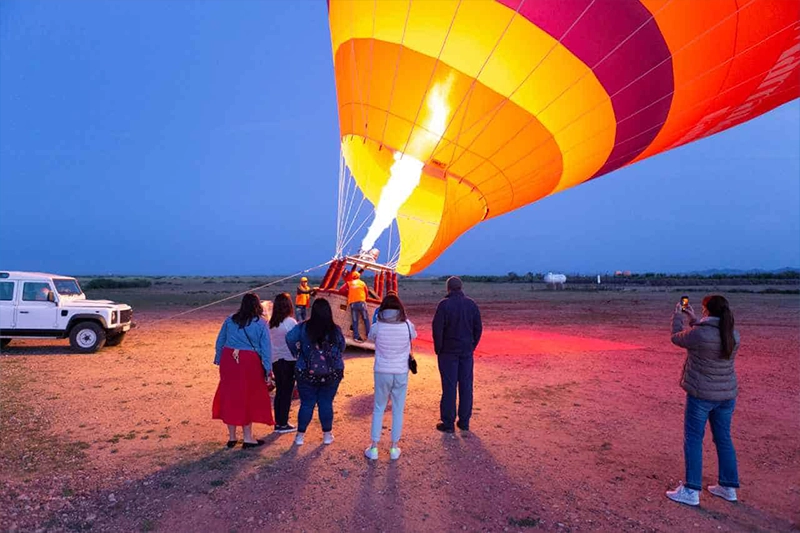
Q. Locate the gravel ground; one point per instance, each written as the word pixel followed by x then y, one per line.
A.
pixel 577 427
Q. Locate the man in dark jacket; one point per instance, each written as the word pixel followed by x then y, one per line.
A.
pixel 456 331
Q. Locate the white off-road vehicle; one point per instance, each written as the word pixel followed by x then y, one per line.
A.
pixel 39 306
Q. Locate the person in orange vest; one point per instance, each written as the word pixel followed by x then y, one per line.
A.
pixel 303 298
pixel 348 275
pixel 357 300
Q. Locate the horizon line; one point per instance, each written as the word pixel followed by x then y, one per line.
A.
pixel 706 271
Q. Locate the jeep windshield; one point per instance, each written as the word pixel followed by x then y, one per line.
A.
pixel 67 287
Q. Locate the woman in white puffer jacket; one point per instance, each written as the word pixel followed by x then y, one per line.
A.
pixel 392 334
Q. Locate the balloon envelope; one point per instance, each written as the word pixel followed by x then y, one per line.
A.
pixel 509 101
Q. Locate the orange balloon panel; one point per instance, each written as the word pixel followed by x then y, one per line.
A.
pixel 508 101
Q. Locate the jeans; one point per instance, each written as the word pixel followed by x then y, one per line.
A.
pixel 319 395
pixel 719 414
pixel 284 385
pixel 359 310
pixel 300 313
pixel 386 386
pixel 456 373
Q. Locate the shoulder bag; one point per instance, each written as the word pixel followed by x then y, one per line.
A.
pixel 412 363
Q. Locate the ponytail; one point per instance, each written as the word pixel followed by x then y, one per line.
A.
pixel 718 307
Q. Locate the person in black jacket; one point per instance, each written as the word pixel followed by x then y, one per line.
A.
pixel 456 332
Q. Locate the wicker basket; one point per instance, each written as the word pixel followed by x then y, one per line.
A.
pixel 341 315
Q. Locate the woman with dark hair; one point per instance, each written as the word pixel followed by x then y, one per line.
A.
pixel 244 356
pixel 709 380
pixel 392 335
pixel 280 323
pixel 318 345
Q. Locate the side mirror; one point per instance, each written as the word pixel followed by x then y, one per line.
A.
pixel 51 297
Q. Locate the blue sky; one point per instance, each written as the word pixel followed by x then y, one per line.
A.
pixel 187 137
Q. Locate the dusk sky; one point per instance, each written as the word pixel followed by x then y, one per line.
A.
pixel 186 137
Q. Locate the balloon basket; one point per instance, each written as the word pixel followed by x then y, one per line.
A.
pixel 380 279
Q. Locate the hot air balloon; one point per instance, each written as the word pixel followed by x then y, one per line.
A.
pixel 482 107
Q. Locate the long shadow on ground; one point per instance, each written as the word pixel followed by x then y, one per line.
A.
pixel 204 493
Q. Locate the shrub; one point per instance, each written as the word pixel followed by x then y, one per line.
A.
pixel 106 283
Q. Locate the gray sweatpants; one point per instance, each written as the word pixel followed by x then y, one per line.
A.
pixel 387 386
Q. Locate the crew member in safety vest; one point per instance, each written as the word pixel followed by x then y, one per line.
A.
pixel 301 301
pixel 357 300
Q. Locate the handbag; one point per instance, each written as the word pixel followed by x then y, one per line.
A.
pixel 412 363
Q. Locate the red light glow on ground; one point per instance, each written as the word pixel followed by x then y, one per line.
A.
pixel 533 342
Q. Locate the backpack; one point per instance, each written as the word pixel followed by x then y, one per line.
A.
pixel 323 364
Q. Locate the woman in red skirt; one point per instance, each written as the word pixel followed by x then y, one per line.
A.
pixel 244 356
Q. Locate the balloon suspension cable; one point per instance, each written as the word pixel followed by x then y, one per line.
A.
pixel 344 200
pixel 339 210
pixel 359 228
pixel 395 252
pixel 389 246
pixel 352 218
pixel 351 215
pixel 346 233
pixel 352 190
pixel 251 289
pixel 355 218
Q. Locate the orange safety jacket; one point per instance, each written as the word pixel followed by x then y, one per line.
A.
pixel 303 295
pixel 357 291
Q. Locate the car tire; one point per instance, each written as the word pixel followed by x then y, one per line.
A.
pixel 4 342
pixel 116 340
pixel 87 337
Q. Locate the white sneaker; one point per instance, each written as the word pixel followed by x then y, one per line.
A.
pixel 685 495
pixel 371 453
pixel 299 439
pixel 726 493
pixel 327 438
pixel 394 454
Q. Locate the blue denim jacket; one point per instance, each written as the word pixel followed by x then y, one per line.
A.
pixel 232 336
pixel 299 344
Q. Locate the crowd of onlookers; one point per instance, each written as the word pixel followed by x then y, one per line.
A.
pixel 293 350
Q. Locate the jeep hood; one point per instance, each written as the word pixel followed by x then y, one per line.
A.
pixel 93 304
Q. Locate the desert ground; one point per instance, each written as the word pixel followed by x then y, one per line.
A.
pixel 577 425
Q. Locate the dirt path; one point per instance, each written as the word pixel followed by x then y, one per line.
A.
pixel 578 426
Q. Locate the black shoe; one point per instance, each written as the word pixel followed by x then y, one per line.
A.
pixel 287 428
pixel 231 443
pixel 462 427
pixel 246 445
pixel 444 428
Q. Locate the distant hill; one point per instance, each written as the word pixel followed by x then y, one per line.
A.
pixel 738 272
